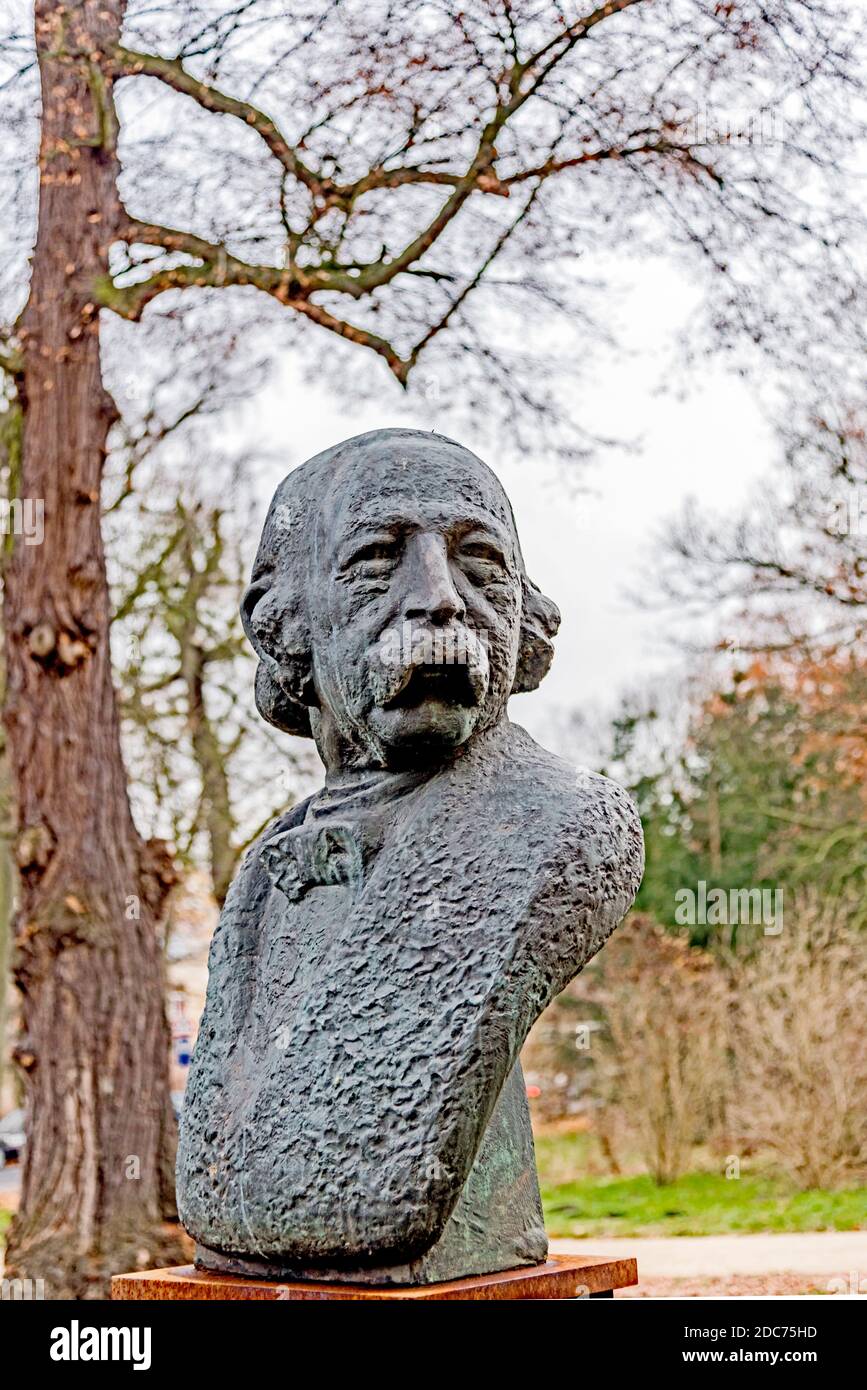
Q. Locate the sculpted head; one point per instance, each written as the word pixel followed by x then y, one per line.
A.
pixel 389 605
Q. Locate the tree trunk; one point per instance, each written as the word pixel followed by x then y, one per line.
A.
pixel 714 825
pixel 94 1043
pixel 216 797
pixel 7 880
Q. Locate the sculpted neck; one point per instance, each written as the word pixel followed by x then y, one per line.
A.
pixel 347 761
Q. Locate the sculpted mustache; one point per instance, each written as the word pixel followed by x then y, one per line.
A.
pixel 402 653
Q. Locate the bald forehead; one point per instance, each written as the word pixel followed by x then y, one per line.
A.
pixel 430 478
pixel 382 478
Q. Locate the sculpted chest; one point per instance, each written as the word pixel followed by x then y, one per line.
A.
pixel 360 1099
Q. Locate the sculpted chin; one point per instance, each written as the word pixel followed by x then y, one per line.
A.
pixel 356 1108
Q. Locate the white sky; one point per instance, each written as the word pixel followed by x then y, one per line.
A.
pixel 588 538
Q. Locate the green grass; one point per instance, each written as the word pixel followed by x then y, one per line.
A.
pixel 698 1204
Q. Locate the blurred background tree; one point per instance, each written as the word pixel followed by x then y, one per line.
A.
pixel 195 746
pixel 766 784
pixel 750 772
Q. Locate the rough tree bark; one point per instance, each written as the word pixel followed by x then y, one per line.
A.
pixel 7 890
pixel 186 627
pixel 94 1043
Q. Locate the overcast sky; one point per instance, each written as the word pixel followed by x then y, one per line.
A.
pixel 588 537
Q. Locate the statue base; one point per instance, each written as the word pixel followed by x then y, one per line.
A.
pixel 561 1276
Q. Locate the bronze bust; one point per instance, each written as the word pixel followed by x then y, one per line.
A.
pixel 356 1108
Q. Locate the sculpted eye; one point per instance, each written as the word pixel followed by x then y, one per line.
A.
pixel 374 557
pixel 483 550
pixel 482 560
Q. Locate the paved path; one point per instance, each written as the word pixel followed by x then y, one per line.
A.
pixel 676 1257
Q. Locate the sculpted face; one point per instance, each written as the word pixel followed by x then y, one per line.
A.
pixel 389 603
pixel 416 632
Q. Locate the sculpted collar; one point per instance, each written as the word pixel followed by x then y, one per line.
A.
pixel 340 834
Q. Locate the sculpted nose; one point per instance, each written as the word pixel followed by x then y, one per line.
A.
pixel 431 594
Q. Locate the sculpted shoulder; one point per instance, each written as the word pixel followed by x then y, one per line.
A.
pixel 593 842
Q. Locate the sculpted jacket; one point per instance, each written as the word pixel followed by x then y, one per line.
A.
pixel 355 1106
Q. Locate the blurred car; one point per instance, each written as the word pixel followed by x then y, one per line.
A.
pixel 11 1136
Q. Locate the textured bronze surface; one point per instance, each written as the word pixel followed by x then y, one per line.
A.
pixel 561 1276
pixel 356 1111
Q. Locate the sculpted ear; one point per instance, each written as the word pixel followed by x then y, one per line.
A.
pixel 279 637
pixel 540 620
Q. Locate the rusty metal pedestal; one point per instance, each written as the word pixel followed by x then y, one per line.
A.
pixel 561 1276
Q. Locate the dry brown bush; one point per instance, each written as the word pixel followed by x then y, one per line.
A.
pixel 799 1038
pixel 759 1051
pixel 661 1061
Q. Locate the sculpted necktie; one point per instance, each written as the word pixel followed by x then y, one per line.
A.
pixel 340 835
pixel 309 856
